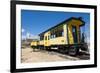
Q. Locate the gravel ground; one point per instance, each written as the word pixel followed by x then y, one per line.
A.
pixel 30 56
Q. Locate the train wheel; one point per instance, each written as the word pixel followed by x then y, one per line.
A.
pixel 73 51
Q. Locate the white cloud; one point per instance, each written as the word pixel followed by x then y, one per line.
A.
pixel 34 37
pixel 23 30
pixel 30 36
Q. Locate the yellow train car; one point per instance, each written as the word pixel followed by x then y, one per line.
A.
pixel 34 44
pixel 65 36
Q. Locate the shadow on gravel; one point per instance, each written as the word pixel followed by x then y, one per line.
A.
pixel 81 55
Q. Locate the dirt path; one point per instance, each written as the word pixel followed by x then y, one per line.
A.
pixel 30 56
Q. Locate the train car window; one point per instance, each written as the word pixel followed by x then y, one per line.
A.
pixel 59 33
pixel 48 37
pixel 62 33
pixel 45 37
pixel 51 37
pixel 54 36
pixel 74 32
pixel 41 37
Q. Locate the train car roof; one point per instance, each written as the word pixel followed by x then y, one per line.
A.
pixel 80 18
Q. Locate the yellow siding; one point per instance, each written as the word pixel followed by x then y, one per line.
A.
pixel 46 41
pixel 58 41
pixel 34 43
pixel 70 36
pixel 64 39
pixel 41 42
pixel 65 33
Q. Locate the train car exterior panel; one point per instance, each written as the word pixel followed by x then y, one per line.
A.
pixel 66 35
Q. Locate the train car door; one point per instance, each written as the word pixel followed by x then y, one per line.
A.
pixel 46 39
pixel 74 33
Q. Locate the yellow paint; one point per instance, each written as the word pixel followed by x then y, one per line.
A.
pixel 41 42
pixel 65 33
pixel 46 40
pixel 58 41
pixel 34 43
pixel 76 23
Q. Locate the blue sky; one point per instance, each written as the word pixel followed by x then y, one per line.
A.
pixel 34 22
